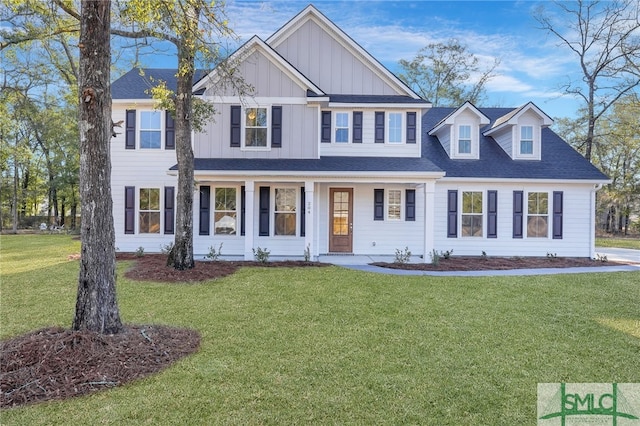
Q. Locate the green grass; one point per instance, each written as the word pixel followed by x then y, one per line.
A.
pixel 629 243
pixel 335 346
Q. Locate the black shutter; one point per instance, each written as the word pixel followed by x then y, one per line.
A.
pixel 205 206
pixel 452 214
pixel 518 215
pixel 557 215
pixel 302 212
pixel 276 127
pixel 129 209
pixel 411 127
pixel 168 209
pixel 379 127
pixel 325 135
pixel 378 204
pixel 357 126
pixel 242 209
pixel 263 223
pixel 130 129
pixel 410 205
pixel 236 123
pixel 492 214
pixel 169 131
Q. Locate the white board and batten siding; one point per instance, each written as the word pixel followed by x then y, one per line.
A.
pixel 142 168
pixel 318 55
pixel 577 221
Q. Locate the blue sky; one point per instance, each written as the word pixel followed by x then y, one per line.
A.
pixel 532 67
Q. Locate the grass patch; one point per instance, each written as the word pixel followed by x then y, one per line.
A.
pixel 628 243
pixel 335 346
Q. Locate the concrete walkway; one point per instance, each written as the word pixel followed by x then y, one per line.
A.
pixel 362 263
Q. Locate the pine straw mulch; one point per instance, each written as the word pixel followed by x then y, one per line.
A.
pixel 478 263
pixel 56 363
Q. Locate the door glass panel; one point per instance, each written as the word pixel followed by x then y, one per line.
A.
pixel 340 213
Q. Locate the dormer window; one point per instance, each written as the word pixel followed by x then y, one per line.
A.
pixel 526 140
pixel 464 139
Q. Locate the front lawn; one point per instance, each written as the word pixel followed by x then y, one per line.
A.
pixel 628 243
pixel 335 346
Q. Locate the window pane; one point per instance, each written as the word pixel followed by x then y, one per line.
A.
pixel 225 223
pixel 526 147
pixel 342 135
pixel 256 137
pixel 395 127
pixel 154 199
pixel 225 199
pixel 286 199
pixel 144 199
pixel 472 202
pixel 526 132
pixel 285 211
pixel 150 139
pixel 285 224
pixel 256 117
pixel 393 204
pixel 537 226
pixel 342 119
pixel 150 120
pixel 465 132
pixel 149 222
pixel 464 147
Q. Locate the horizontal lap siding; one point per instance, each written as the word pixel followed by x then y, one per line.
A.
pixel 388 235
pixel 142 168
pixel 576 223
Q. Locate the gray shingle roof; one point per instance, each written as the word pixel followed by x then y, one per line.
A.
pixel 324 164
pixel 132 85
pixel 559 160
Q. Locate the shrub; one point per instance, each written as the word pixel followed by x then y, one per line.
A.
pixel 213 253
pixel 140 252
pixel 552 256
pixel 403 256
pixel 166 248
pixel 435 257
pixel 261 255
pixel 446 254
pixel 307 254
pixel 484 255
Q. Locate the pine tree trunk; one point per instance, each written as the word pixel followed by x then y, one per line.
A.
pixel 181 255
pixel 96 304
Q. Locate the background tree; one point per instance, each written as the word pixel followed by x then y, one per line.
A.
pixel 96 304
pixel 446 74
pixel 195 28
pixel 604 37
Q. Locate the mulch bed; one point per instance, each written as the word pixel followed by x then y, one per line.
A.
pixel 55 363
pixel 153 267
pixel 477 263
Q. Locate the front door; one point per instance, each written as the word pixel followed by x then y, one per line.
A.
pixel 341 220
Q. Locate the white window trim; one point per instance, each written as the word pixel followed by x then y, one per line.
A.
pixel 159 211
pixel 462 213
pixel 464 154
pixel 403 127
pixel 243 129
pixel 334 127
pixel 272 211
pixel 139 128
pixel 548 215
pixel 455 139
pixel 517 138
pixel 520 140
pixel 213 211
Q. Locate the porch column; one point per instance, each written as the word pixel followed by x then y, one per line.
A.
pixel 429 219
pixel 309 219
pixel 249 216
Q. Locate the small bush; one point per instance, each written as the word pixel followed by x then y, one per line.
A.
pixel 446 254
pixel 484 255
pixel 307 254
pixel 214 253
pixel 140 252
pixel 166 248
pixel 403 256
pixel 261 255
pixel 601 258
pixel 435 257
pixel 552 256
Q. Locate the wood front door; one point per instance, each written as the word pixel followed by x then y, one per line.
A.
pixel 341 220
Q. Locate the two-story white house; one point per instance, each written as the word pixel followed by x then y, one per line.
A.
pixel 334 154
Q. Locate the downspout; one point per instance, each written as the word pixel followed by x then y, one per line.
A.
pixel 592 233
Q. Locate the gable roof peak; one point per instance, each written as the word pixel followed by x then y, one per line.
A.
pixel 511 117
pixel 449 118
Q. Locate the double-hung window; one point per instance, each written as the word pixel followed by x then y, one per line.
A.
pixel 394 204
pixel 285 211
pixel 472 214
pixel 256 128
pixel 149 211
pixel 526 140
pixel 150 129
pixel 464 139
pixel 395 127
pixel 538 215
pixel 342 127
pixel 225 211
